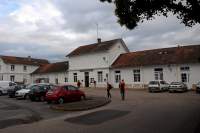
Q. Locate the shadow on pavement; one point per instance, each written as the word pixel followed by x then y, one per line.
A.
pixel 97 117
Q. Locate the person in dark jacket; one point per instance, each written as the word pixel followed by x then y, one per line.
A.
pixel 122 89
pixel 109 87
pixel 78 84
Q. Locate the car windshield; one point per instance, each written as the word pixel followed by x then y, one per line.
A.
pixel 153 82
pixel 29 86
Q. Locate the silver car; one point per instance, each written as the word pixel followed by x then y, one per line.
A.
pixel 158 85
pixel 177 87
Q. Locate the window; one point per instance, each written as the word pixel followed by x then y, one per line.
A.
pixel 185 74
pixel 56 80
pixel 12 68
pixel 185 68
pixel 158 73
pixel 66 80
pixel 136 75
pixel 184 77
pixel 75 77
pixel 12 78
pixel 1 77
pixel 100 76
pixel 25 68
pixel 24 80
pixel 117 76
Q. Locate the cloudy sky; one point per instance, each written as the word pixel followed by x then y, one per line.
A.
pixel 52 28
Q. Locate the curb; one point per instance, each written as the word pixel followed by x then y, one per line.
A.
pixel 99 102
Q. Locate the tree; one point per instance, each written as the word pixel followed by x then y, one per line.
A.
pixel 131 12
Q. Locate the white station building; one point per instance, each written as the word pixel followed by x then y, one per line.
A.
pixel 108 61
pixel 111 61
pixel 90 63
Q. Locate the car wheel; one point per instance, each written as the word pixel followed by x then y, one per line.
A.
pixel 1 93
pixel 61 100
pixel 42 98
pixel 83 98
pixel 48 101
pixel 26 96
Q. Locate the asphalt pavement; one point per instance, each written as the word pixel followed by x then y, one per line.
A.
pixel 141 112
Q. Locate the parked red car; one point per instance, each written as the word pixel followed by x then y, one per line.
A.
pixel 64 93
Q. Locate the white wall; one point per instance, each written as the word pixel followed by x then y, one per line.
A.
pixel 52 77
pixel 96 60
pixel 88 61
pixel 92 74
pixel 170 73
pixel 115 51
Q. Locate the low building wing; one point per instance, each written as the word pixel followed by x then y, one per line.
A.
pixel 164 56
pixel 53 67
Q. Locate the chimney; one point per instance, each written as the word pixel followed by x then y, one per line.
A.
pixel 99 40
pixel 29 58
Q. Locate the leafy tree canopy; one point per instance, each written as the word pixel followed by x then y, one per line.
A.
pixel 131 12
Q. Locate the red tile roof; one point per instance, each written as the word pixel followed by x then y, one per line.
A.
pixel 23 60
pixel 163 56
pixel 96 47
pixel 53 67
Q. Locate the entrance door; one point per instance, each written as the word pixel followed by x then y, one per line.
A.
pixel 87 79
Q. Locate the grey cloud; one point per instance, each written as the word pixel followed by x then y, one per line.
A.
pixel 57 40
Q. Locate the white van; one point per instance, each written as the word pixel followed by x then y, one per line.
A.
pixel 5 85
pixel 158 85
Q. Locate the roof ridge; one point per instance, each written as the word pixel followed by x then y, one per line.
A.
pixel 183 46
pixel 95 47
pixel 22 57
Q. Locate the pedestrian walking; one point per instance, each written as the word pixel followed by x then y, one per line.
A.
pixel 95 84
pixel 122 89
pixel 109 87
pixel 78 84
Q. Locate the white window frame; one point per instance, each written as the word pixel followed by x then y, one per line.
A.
pixel 136 75
pixel 66 79
pixel 12 67
pixel 1 77
pixel 158 74
pixel 75 77
pixel 185 74
pixel 12 78
pixel 117 76
pixel 100 76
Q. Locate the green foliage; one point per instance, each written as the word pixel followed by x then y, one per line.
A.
pixel 131 12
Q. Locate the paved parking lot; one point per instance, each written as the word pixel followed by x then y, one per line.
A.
pixel 141 112
pixel 13 111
